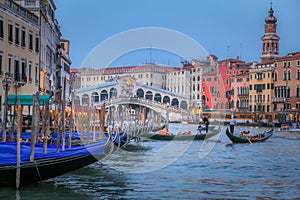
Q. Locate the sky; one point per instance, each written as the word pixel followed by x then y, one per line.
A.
pixel 225 28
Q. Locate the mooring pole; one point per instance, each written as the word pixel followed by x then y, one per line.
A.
pixel 18 174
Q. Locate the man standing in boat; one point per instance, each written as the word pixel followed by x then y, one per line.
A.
pixel 232 123
pixel 205 122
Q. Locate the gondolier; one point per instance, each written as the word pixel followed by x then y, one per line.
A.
pixel 205 122
pixel 232 123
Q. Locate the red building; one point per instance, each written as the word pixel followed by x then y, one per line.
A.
pixel 217 90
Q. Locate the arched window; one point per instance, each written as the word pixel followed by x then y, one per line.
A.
pixel 85 99
pixel 183 105
pixel 140 93
pixel 157 97
pixel 103 95
pixel 95 97
pixel 175 102
pixel 113 93
pixel 166 99
pixel 149 95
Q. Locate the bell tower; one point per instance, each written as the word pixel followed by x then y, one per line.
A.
pixel 270 40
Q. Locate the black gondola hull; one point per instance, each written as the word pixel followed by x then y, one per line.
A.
pixel 236 139
pixel 48 167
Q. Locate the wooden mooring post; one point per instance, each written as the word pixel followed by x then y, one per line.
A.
pixel 19 131
pixel 35 124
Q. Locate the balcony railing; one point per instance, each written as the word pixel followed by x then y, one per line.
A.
pixel 243 95
pixel 279 99
pixel 21 11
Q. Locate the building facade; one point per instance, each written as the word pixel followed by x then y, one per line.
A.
pixel 63 70
pixel 261 88
pixel 19 48
pixel 150 74
pixel 50 35
pixel 240 88
pixel 286 98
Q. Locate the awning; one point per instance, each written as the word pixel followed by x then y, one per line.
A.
pixel 26 100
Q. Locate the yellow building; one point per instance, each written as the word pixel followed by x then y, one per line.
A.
pixel 19 48
pixel 261 88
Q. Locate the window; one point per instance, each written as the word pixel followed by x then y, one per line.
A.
pixel 298 74
pixel 17 36
pixel 9 64
pixel 36 74
pixel 289 75
pixel 30 40
pixel 17 70
pixel 30 71
pixel 298 92
pixel 10 31
pixel 24 70
pixel 1 56
pixel 1 28
pixel 298 62
pixel 37 44
pixel 23 35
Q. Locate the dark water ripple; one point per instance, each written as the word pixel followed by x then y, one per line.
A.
pixel 269 170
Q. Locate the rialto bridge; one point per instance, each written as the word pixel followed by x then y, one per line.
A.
pixel 125 90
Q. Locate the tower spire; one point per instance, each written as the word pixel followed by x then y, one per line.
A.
pixel 270 40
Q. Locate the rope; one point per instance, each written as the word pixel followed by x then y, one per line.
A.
pixel 16 166
pixel 37 170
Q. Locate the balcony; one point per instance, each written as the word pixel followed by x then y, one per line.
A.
pixel 260 101
pixel 32 4
pixel 279 99
pixel 16 8
pixel 243 95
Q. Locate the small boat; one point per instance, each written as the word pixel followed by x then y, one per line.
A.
pixel 187 135
pixel 291 132
pixel 244 139
pixel 45 166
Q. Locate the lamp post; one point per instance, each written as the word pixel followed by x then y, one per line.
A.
pixel 6 83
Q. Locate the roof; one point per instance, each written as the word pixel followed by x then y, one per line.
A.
pixel 107 84
pixel 291 55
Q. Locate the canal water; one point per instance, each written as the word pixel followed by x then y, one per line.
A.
pixel 210 169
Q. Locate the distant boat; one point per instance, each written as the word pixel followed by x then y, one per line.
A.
pixel 291 132
pixel 257 138
pixel 45 166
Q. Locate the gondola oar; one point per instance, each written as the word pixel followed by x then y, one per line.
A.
pixel 245 136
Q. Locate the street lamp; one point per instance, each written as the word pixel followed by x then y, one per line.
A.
pixel 6 83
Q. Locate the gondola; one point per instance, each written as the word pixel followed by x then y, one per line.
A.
pixel 257 138
pixel 158 128
pixel 45 166
pixel 185 136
